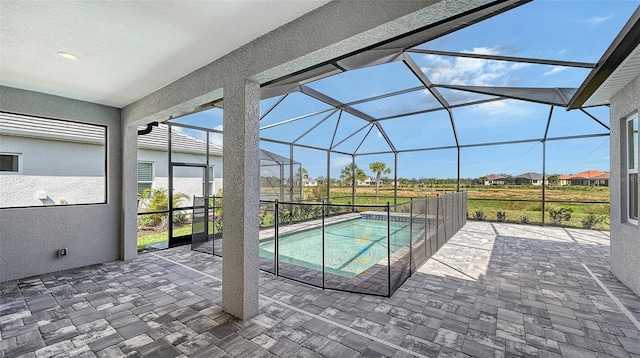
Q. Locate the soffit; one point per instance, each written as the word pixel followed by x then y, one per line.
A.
pixel 622 76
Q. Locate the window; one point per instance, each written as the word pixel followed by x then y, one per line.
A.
pixel 632 169
pixel 49 162
pixel 145 176
pixel 9 163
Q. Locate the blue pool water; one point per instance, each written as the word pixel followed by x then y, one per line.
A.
pixel 351 246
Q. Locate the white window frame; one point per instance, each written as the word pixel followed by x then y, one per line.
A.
pixel 153 173
pixel 20 165
pixel 630 168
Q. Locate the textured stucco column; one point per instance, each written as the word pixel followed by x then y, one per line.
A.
pixel 129 214
pixel 241 191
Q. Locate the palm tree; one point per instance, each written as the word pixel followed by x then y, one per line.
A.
pixel 347 176
pixel 379 168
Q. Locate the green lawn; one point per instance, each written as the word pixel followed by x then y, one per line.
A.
pixel 146 240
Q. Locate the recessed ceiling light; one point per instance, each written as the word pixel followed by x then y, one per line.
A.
pixel 68 56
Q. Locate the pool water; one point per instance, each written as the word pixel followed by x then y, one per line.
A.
pixel 351 246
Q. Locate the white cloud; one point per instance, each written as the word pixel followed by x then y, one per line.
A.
pixel 497 110
pixel 216 138
pixel 597 20
pixel 340 162
pixel 554 70
pixel 519 65
pixel 495 107
pixel 470 71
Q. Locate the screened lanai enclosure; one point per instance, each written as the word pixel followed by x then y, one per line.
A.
pixel 468 126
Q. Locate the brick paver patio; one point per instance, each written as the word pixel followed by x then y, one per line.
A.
pixel 495 290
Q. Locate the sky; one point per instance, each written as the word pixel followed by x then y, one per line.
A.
pixel 577 31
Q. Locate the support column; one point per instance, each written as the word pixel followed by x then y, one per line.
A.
pixel 241 164
pixel 129 216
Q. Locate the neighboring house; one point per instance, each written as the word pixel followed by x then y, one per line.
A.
pixel 73 169
pixel 51 162
pixel 587 178
pixel 367 182
pixel 495 179
pixel 615 81
pixel 310 182
pixel 189 157
pixel 564 180
pixel 528 179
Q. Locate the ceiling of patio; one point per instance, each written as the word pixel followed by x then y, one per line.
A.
pixel 126 49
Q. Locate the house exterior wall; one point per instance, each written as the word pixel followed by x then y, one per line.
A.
pixel 54 168
pixel 625 237
pixel 30 237
pixel 187 180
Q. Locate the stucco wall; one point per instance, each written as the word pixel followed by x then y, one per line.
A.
pixel 63 170
pixel 23 190
pixel 30 236
pixel 625 237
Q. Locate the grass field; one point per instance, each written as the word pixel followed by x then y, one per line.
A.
pixel 514 201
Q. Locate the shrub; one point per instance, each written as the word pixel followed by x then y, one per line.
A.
pixel 153 200
pixel 501 216
pixel 524 219
pixel 218 202
pixel 478 215
pixel 560 215
pixel 591 220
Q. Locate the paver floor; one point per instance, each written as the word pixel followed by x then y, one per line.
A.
pixel 495 290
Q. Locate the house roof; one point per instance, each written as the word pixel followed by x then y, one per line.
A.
pixel 589 174
pixel 180 142
pixel 184 143
pixel 495 177
pixel 54 129
pixel 50 129
pixel 619 65
pixel 530 176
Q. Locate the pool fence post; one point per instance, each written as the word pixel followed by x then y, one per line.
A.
pixel 453 205
pixel 426 227
pixel 389 247
pixel 323 244
pixel 437 222
pixel 410 235
pixel 213 242
pixel 275 237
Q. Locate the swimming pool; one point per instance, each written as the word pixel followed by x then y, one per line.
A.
pixel 351 246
